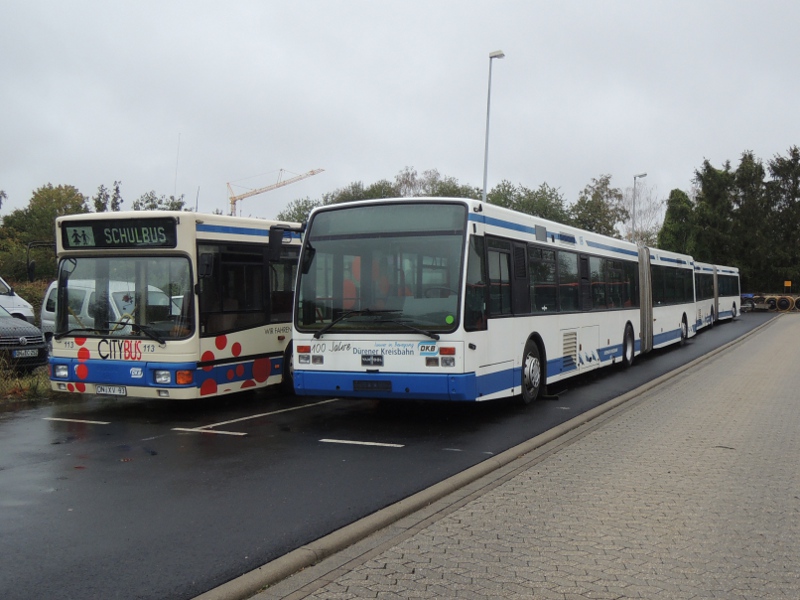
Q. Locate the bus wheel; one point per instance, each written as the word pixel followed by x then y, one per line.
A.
pixel 733 311
pixel 287 383
pixel 628 348
pixel 531 372
pixel 684 330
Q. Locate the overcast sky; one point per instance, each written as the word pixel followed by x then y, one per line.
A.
pixel 184 97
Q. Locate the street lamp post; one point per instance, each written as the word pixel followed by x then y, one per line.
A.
pixel 633 218
pixel 495 54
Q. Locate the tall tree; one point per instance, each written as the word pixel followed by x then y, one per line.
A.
pixel 36 221
pixel 3 197
pixel 545 202
pixel 298 210
pixel 783 193
pixel 646 209
pixel 105 201
pixel 752 224
pixel 714 214
pixel 677 230
pixel 149 201
pixel 599 208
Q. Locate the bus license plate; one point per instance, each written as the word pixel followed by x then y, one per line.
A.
pixel 27 353
pixel 112 390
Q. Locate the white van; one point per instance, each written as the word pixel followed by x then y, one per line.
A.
pixel 14 303
pixel 81 304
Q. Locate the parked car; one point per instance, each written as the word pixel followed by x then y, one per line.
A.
pixel 14 303
pixel 22 345
pixel 81 302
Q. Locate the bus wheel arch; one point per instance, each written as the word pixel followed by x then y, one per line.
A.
pixel 628 345
pixel 534 370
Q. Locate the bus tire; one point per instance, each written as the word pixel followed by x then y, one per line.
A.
pixel 628 346
pixel 531 373
pixel 734 314
pixel 287 382
pixel 684 331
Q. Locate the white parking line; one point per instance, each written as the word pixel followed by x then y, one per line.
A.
pixel 77 421
pixel 201 430
pixel 356 443
pixel 210 428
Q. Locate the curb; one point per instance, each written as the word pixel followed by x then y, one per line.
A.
pixel 247 585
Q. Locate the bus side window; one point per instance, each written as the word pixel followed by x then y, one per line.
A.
pixel 568 281
pixel 475 297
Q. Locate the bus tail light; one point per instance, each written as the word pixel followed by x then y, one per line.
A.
pixel 431 361
pixel 447 350
pixel 304 349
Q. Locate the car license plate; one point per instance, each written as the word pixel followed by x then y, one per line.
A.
pixel 27 353
pixel 112 390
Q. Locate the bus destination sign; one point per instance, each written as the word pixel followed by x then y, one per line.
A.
pixel 133 233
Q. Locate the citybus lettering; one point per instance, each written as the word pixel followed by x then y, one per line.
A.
pixel 120 349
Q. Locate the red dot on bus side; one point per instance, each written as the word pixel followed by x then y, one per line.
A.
pixel 236 349
pixel 261 369
pixel 239 370
pixel 81 387
pixel 208 356
pixel 70 387
pixel 248 383
pixel 230 374
pixel 83 354
pixel 82 371
pixel 80 341
pixel 209 387
pixel 221 342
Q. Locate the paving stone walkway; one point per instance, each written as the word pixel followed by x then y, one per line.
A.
pixel 690 491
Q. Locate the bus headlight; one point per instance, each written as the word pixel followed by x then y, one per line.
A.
pixel 61 372
pixel 163 377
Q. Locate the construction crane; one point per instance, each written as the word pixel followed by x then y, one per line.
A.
pixel 235 198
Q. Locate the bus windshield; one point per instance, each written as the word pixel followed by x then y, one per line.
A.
pixel 386 267
pixel 125 297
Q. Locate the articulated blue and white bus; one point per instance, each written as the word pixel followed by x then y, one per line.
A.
pixel 455 299
pixel 718 293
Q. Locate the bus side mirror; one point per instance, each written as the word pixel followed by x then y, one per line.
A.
pixel 205 268
pixel 275 243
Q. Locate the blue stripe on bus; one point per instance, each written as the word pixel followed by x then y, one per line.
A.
pixel 667 336
pixel 427 386
pixel 564 237
pixel 138 373
pixel 229 229
pixel 609 248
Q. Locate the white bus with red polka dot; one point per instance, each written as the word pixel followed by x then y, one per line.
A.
pixel 179 305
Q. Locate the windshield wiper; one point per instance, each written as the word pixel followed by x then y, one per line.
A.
pixel 367 311
pixel 430 334
pixel 60 334
pixel 149 332
pixel 347 315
